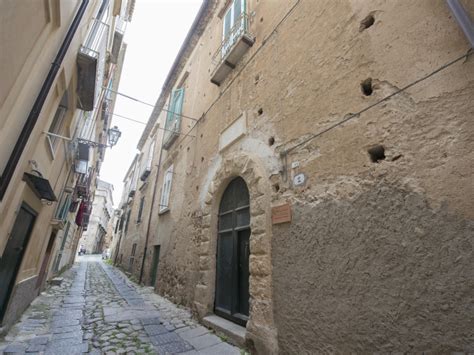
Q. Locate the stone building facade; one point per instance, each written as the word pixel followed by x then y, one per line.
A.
pixel 311 177
pixel 54 121
pixel 97 236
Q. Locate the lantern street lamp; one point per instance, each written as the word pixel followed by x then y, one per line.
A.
pixel 114 135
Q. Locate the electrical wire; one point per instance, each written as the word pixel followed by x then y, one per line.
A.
pixel 367 108
pixel 146 103
pixel 144 123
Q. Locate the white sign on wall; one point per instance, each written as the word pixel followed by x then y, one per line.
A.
pixel 299 179
pixel 233 132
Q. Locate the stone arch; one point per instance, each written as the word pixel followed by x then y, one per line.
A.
pixel 261 331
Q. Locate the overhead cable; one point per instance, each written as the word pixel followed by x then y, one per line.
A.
pixel 148 104
pixel 367 108
pixel 144 123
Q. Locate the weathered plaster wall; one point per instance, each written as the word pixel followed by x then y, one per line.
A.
pixel 381 270
pixel 378 256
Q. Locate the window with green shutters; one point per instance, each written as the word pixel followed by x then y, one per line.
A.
pixel 173 117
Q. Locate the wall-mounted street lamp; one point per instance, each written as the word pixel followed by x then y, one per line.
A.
pixel 113 137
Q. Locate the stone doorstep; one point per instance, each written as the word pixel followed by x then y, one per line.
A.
pixel 56 281
pixel 234 332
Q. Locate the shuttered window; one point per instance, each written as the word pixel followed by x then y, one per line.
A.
pixel 166 189
pixel 140 209
pixel 173 117
pixel 146 163
pixel 63 205
pixel 58 123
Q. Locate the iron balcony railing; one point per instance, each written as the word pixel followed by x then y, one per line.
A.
pixel 237 31
pixel 91 65
pixel 96 40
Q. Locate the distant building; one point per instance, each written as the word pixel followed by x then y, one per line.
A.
pixel 305 181
pixel 55 117
pixel 97 236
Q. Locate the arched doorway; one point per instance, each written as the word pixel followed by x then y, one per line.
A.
pixel 232 266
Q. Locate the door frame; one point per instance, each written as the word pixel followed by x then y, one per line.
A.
pixel 154 264
pixel 11 286
pixel 43 272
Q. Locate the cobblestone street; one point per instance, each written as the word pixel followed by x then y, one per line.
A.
pixel 97 310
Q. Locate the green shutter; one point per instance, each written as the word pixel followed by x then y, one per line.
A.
pixel 178 107
pixel 174 109
pixel 173 118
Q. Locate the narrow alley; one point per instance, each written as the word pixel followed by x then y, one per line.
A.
pixel 264 177
pixel 97 310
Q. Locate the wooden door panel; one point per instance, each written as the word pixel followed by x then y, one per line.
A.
pixel 224 272
pixel 232 263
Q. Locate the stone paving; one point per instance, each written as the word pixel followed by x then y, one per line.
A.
pixel 97 310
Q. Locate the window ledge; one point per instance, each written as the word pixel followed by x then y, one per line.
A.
pixel 163 211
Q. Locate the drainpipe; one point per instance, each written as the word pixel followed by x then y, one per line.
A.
pixel 39 102
pixel 463 19
pixel 150 215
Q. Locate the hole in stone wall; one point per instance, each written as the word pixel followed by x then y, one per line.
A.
pixel 367 22
pixel 197 187
pixel 376 153
pixel 202 159
pixel 276 187
pixel 260 111
pixel 271 141
pixel 366 87
pixel 187 149
pixel 261 19
pixel 201 135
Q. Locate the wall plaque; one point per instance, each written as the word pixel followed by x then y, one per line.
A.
pixel 299 179
pixel 281 214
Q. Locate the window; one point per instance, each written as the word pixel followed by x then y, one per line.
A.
pixel 173 117
pixel 63 205
pixel 233 25
pixel 58 123
pixel 128 220
pixel 146 162
pixel 132 257
pixel 165 191
pixel 134 178
pixel 140 209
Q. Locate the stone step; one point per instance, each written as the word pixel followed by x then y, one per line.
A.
pixel 234 332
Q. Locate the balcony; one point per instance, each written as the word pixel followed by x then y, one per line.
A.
pixel 83 185
pixel 91 65
pixel 106 107
pixel 118 39
pixel 232 49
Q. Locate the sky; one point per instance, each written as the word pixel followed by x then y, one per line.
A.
pixel 153 37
